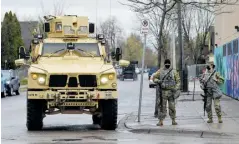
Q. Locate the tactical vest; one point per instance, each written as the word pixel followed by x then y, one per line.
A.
pixel 169 80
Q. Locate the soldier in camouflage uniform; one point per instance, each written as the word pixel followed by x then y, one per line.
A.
pixel 170 83
pixel 213 92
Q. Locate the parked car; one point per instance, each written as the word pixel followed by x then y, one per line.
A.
pixel 137 70
pixel 118 71
pixel 3 81
pixel 11 82
pixel 151 71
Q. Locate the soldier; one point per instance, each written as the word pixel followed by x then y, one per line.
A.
pixel 170 83
pixel 213 92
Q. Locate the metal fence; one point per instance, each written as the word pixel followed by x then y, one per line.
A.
pixel 194 71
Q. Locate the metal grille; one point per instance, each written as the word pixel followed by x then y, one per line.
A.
pixel 87 80
pixel 57 80
pixel 72 82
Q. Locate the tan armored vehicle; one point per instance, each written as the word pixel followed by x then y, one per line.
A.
pixel 70 73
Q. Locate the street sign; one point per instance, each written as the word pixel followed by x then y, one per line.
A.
pixel 145 26
pixel 144 30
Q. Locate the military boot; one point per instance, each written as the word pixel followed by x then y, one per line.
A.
pixel 210 120
pixel 220 119
pixel 160 123
pixel 174 122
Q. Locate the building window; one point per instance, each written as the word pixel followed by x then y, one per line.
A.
pixel 224 50
pixel 235 46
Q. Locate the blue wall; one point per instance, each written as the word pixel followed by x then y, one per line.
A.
pixel 226 59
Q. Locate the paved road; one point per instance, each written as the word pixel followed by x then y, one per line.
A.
pixel 78 128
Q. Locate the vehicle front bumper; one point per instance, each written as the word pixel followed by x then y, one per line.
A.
pixel 72 94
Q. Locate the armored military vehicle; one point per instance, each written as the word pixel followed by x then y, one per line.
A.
pixel 128 72
pixel 70 73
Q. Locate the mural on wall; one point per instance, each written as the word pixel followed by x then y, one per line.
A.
pixel 226 59
pixel 218 55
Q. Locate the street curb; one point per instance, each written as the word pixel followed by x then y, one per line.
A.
pixel 161 130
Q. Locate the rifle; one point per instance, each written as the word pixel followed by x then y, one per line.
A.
pixel 160 90
pixel 205 90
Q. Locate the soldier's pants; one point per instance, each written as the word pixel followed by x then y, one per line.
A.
pixel 216 106
pixel 167 96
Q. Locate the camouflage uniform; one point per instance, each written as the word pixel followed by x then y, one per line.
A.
pixel 170 84
pixel 213 93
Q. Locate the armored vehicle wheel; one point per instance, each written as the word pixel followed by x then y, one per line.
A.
pixel 109 114
pixel 96 119
pixel 34 115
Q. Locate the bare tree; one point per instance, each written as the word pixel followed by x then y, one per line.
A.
pixel 166 6
pixel 196 23
pixel 160 11
pixel 112 32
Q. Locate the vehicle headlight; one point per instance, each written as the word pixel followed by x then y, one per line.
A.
pixel 34 76
pixel 104 80
pixel 111 76
pixel 8 82
pixel 41 80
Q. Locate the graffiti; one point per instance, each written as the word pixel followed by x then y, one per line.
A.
pixel 227 64
pixel 235 74
pixel 219 64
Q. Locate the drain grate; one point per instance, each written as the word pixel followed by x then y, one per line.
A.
pixel 67 140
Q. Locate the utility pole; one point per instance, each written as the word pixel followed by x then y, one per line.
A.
pixel 180 43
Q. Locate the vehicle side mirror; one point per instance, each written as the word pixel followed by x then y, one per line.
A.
pixel 91 28
pixel 22 52
pixel 46 27
pixel 124 63
pixel 20 62
pixel 118 54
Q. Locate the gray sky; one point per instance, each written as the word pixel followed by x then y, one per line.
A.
pixel 31 9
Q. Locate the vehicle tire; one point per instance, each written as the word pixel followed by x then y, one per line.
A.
pixel 96 119
pixel 17 92
pixel 109 114
pixel 34 115
pixel 2 95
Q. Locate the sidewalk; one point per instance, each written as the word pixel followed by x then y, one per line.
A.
pixel 190 117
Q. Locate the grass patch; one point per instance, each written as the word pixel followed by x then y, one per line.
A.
pixel 23 81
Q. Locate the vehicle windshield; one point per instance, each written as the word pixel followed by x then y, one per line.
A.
pixel 91 48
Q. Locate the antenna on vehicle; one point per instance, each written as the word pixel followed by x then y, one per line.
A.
pixel 96 12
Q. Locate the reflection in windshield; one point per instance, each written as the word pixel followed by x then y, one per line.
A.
pixel 87 47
